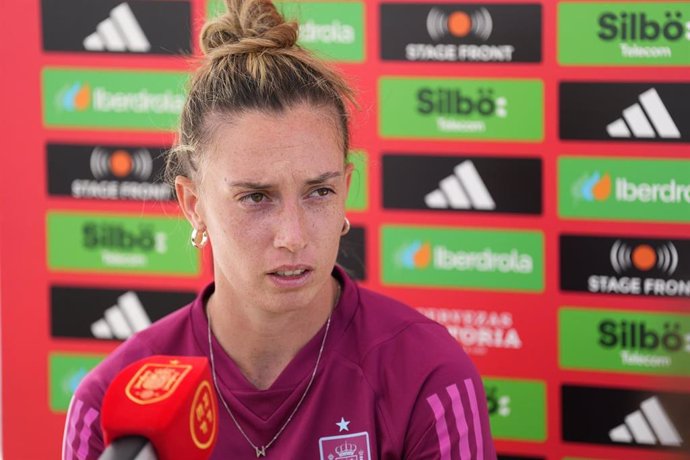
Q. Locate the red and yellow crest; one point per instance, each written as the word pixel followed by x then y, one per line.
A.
pixel 202 417
pixel 156 382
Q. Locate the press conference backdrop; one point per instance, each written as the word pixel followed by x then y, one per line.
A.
pixel 522 177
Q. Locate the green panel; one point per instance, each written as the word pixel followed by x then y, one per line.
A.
pixel 334 30
pixel 624 189
pixel 214 8
pixel 112 99
pixel 65 372
pixel 444 108
pixel 137 244
pixel 447 257
pixel 634 34
pixel 517 409
pixel 358 198
pixel 625 341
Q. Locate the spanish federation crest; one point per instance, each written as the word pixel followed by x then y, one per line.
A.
pixel 155 382
pixel 353 446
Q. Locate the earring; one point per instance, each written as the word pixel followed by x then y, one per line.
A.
pixel 199 239
pixel 346 227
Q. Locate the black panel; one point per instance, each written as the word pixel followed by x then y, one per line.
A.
pixel 165 24
pixel 587 265
pixel 91 171
pixel 590 413
pixel 497 33
pixel 515 184
pixel 74 310
pixel 588 108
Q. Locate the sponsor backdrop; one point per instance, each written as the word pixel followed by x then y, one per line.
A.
pixel 522 177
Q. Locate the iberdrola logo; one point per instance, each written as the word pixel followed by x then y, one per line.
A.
pixel 75 98
pixel 593 187
pixel 416 255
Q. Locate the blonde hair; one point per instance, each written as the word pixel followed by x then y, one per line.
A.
pixel 251 62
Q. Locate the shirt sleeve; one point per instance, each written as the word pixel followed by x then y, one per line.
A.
pixel 82 438
pixel 450 420
pixel 447 418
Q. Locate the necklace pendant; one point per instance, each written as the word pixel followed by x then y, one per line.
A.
pixel 260 452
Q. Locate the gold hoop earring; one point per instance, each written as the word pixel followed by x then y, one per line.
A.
pixel 346 227
pixel 199 239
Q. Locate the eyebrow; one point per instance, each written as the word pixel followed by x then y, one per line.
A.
pixel 263 186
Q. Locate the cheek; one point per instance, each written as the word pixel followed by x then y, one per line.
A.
pixel 326 227
pixel 236 235
pixel 325 217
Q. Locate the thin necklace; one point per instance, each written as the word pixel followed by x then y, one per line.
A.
pixel 261 451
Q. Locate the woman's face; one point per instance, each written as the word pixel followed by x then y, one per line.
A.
pixel 272 198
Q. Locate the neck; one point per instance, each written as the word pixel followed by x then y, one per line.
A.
pixel 262 342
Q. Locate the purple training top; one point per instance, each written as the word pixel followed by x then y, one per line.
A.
pixel 391 384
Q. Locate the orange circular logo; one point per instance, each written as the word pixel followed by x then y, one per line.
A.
pixel 459 24
pixel 644 257
pixel 121 163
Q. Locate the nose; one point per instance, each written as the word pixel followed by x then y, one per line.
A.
pixel 290 228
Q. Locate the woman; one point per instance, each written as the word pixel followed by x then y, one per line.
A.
pixel 307 365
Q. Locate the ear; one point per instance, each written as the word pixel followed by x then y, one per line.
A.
pixel 188 199
pixel 349 168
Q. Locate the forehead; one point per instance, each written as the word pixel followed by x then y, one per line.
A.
pixel 257 143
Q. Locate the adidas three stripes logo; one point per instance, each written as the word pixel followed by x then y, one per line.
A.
pixel 122 320
pixel 462 190
pixel 650 425
pixel 120 32
pixel 648 119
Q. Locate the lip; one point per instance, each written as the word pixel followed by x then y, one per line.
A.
pixel 291 281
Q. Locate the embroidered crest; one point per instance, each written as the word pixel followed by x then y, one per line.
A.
pixel 353 446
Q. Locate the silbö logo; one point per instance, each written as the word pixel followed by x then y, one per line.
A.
pixel 497 403
pixel 457 111
pixel 120 247
pixel 636 32
pixel 79 97
pixel 420 255
pixel 642 345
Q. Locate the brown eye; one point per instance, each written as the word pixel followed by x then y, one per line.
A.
pixel 255 197
pixel 323 191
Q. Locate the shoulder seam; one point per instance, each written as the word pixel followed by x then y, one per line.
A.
pixel 394 335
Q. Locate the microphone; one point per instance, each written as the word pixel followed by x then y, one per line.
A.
pixel 160 408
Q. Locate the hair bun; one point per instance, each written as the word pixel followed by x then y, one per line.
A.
pixel 249 26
